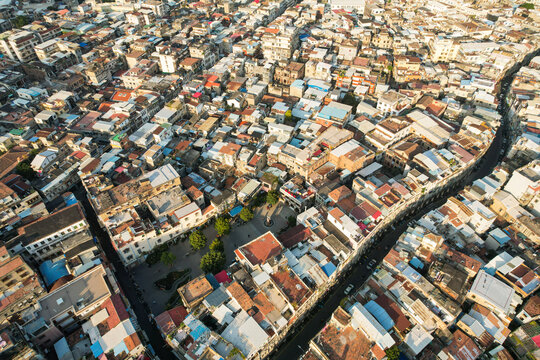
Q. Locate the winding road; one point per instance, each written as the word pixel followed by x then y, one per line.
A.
pixel 297 343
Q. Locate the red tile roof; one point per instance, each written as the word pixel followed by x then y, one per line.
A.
pixel 261 249
pixel 294 236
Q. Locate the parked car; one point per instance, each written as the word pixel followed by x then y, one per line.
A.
pixel 349 289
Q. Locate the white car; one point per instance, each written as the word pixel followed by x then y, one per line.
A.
pixel 349 289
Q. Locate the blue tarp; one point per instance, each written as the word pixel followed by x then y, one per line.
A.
pixel 329 269
pixel 380 314
pixel 96 349
pixel 70 200
pixel 416 263
pixel 236 210
pixel 198 332
pixel 53 271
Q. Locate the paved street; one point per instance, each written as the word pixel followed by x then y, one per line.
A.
pixel 125 280
pixel 298 342
pixel 186 258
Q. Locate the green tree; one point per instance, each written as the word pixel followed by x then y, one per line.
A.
pixel 246 214
pixel 272 197
pixel 350 99
pixel 24 169
pixel 222 226
pixel 217 245
pixel 392 353
pixel 528 6
pixel 213 262
pixel 291 220
pixel 197 240
pixel 288 116
pixel 168 258
pixel 20 21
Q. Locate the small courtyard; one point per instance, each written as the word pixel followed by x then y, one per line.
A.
pixel 188 260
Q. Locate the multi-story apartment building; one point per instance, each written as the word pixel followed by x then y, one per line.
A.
pixel 443 50
pixel 383 40
pixel 44 31
pixel 407 68
pixel 206 52
pixel 19 285
pixel 287 73
pixel 98 74
pixel 279 43
pixel 42 238
pixel 19 45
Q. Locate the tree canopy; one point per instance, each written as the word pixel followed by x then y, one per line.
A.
pixel 24 169
pixel 217 245
pixel 246 214
pixel 213 262
pixel 222 226
pixel 197 240
pixel 20 21
pixel 272 197
pixel 350 99
pixel 392 353
pixel 168 258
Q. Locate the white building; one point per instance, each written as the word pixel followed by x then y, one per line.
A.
pixel 42 238
pixel 492 293
pixel 443 50
pixel 346 225
pixel 363 320
pixel 348 5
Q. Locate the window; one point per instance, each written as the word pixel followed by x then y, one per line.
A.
pixel 126 251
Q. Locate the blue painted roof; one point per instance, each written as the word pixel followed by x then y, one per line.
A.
pixel 236 210
pixel 298 83
pixel 96 349
pixel 499 235
pixel 296 142
pixel 61 347
pixel 53 271
pixel 415 262
pixel 329 269
pixel 198 332
pixel 329 112
pixel 411 274
pixel 380 314
pixel 212 280
pixel 167 151
pixel 120 348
